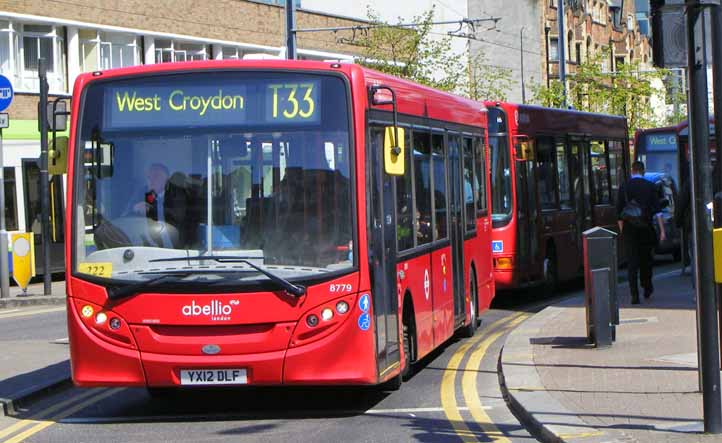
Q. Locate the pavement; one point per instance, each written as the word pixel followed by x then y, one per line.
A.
pixel 35 295
pixel 644 388
pixel 33 337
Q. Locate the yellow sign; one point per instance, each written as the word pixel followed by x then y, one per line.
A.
pixel 717 249
pixel 394 151
pixel 96 269
pixel 58 156
pixel 23 258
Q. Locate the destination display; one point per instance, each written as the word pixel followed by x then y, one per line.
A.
pixel 660 142
pixel 191 104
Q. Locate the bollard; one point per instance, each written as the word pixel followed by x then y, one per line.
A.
pixel 600 285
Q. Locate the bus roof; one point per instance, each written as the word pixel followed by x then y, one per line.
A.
pixel 532 120
pixel 412 98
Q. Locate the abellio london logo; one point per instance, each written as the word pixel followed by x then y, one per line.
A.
pixel 216 310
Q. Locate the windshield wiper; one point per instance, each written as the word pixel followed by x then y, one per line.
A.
pixel 133 288
pixel 296 290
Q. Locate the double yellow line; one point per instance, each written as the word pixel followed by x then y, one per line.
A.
pixel 51 415
pixel 480 346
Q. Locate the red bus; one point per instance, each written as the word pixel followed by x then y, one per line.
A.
pixel 233 223
pixel 554 174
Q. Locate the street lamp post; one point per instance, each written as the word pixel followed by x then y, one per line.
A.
pixel 521 46
pixel 561 46
pixel 547 28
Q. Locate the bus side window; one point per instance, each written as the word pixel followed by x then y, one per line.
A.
pixel 480 171
pixel 616 167
pixel 565 197
pixel 546 174
pixel 422 186
pixel 469 185
pixel 600 171
pixel 404 202
pixel 440 166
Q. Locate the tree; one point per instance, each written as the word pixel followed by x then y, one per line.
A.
pixel 411 52
pixel 414 53
pixel 626 91
pixel 485 81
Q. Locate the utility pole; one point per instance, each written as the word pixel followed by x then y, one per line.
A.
pixel 561 51
pixel 291 29
pixel 716 25
pixel 44 182
pixel 701 185
pixel 521 45
pixel 4 271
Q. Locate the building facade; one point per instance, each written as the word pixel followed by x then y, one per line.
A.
pixel 95 35
pixel 515 37
pixel 593 28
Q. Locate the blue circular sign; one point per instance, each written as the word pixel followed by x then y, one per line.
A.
pixel 6 93
pixel 364 321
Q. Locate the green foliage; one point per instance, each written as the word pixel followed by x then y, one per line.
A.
pixel 412 53
pixel 486 82
pixel 551 97
pixel 627 91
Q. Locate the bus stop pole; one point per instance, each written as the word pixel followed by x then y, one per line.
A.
pixel 561 48
pixel 44 182
pixel 4 266
pixel 716 25
pixel 291 29
pixel 701 185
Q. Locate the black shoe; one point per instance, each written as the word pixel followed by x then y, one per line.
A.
pixel 648 292
pixel 635 300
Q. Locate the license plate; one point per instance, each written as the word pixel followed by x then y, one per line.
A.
pixel 213 377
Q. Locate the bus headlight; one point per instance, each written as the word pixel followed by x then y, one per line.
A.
pixel 327 314
pixel 101 318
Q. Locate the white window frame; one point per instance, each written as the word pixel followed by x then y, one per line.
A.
pixel 180 51
pixel 56 73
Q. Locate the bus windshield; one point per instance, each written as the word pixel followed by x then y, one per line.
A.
pixel 244 164
pixel 500 180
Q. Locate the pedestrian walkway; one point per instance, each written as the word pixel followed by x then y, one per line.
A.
pixel 35 295
pixel 642 389
pixel 33 337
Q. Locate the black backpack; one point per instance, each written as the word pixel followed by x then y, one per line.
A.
pixel 633 213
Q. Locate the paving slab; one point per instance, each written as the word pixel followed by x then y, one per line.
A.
pixel 34 295
pixel 642 389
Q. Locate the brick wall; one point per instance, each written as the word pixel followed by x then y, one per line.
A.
pixel 231 20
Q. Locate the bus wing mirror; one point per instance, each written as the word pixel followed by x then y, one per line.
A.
pixel 58 156
pixel 394 150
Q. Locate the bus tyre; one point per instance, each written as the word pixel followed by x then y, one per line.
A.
pixel 551 274
pixel 470 329
pixel 407 344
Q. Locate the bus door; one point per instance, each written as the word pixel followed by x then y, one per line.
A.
pixel 31 185
pixel 579 172
pixel 382 255
pixel 527 225
pixel 456 228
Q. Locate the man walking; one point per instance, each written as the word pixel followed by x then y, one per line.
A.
pixel 637 205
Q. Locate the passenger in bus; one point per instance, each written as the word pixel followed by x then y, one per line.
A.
pixel 164 204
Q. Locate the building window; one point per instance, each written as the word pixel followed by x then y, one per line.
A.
pixel 232 53
pixel 102 50
pixel 167 51
pixel 554 49
pixel 42 41
pixel 578 48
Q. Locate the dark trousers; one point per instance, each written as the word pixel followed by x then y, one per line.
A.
pixel 638 246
